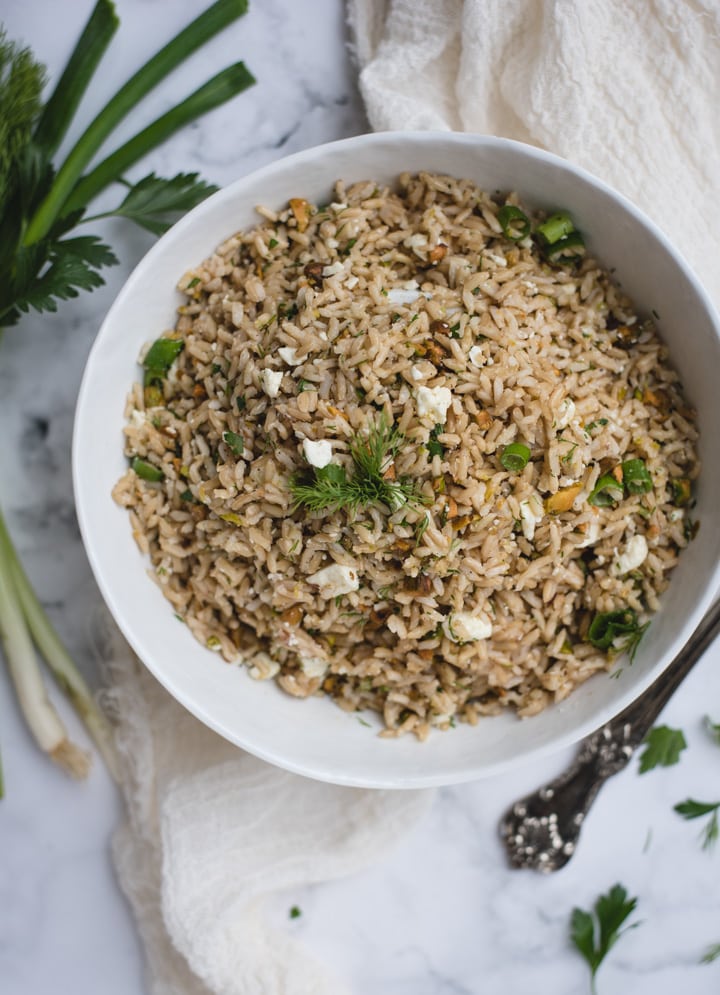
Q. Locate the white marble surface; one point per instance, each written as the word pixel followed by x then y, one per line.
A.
pixel 441 915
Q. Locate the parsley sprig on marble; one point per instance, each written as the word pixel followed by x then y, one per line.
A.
pixel 595 933
pixel 42 261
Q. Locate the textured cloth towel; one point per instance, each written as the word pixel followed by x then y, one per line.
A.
pixel 210 831
pixel 628 90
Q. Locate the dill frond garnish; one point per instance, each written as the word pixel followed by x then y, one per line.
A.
pixel 331 488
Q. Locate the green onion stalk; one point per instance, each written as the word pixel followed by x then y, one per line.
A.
pixel 41 203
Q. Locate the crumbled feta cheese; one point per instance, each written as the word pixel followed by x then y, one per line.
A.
pixel 433 402
pixel 338 207
pixel 313 666
pixel 318 453
pixel 476 356
pixel 591 535
pixel 333 269
pixel 288 353
pixel 416 373
pixel 635 553
pixel 137 418
pixel 397 296
pixel 531 514
pixel 335 580
pixel 498 260
pixel 351 282
pixel 416 241
pixel 331 243
pixel 566 413
pixel 676 515
pixel 270 381
pixel 264 667
pixel 464 627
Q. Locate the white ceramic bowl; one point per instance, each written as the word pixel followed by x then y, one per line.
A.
pixel 314 737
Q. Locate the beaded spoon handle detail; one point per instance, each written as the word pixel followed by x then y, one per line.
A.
pixel 541 830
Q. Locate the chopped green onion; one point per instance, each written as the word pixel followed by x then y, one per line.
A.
pixel 557 227
pixel 636 478
pixel 160 357
pixel 273 243
pixel 514 222
pixel 606 492
pixel 515 457
pixel 146 471
pixel 235 442
pixel 565 248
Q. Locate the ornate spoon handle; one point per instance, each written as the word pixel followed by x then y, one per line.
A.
pixel 541 830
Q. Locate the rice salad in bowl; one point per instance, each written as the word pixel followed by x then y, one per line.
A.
pixel 413 449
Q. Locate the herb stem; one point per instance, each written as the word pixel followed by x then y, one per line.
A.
pixel 218 90
pixel 194 36
pixel 66 674
pixel 89 50
pixel 40 714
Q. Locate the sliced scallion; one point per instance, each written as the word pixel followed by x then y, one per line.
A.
pixel 515 457
pixel 569 247
pixel 636 478
pixel 557 227
pixel 146 471
pixel 514 222
pixel 160 357
pixel 607 491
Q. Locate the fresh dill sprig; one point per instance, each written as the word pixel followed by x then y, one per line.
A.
pixel 330 487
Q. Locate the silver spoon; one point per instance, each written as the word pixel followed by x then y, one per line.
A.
pixel 541 830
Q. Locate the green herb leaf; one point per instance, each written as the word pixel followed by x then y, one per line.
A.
pixel 595 934
pixel 434 447
pixel 712 953
pixel 692 809
pixel 329 487
pixel 713 729
pixel 607 627
pixel 235 442
pixel 155 203
pixel 663 747
pixel 596 424
pixel 66 267
pixel 295 912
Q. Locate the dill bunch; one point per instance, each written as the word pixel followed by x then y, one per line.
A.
pixel 21 83
pixel 330 487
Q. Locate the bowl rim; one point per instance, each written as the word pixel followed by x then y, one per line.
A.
pixel 379 779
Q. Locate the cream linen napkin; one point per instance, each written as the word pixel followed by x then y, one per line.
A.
pixel 210 831
pixel 629 89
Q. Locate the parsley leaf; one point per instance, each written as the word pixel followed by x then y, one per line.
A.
pixel 663 747
pixel 155 203
pixel 55 270
pixel 713 729
pixel 295 912
pixel 692 809
pixel 712 953
pixel 595 933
